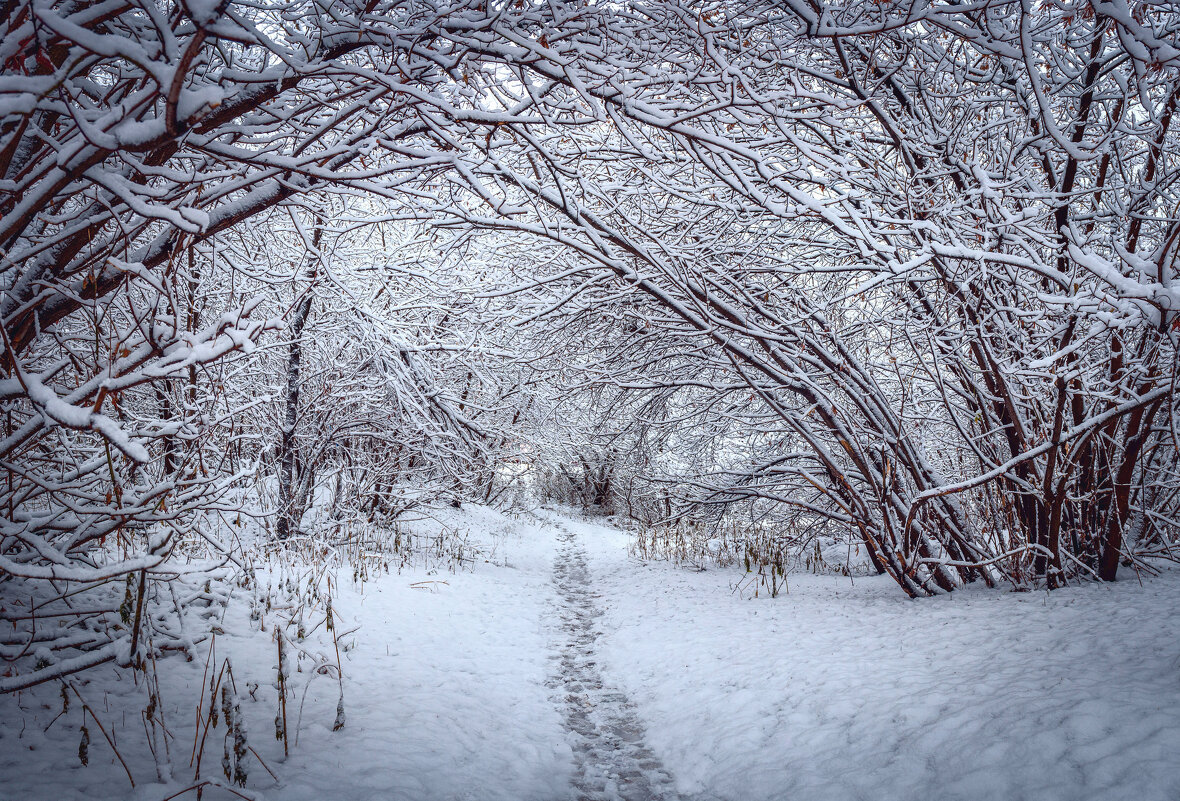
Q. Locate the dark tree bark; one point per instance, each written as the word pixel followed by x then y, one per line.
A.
pixel 290 511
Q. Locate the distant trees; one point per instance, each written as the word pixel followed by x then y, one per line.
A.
pixel 400 397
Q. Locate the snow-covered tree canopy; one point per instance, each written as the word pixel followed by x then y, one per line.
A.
pixel 904 272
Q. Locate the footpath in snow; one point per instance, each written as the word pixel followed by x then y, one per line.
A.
pixel 563 668
pixel 611 758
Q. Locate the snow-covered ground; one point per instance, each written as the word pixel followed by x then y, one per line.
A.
pixel 564 668
pixel 845 689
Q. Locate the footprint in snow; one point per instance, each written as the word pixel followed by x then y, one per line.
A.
pixel 611 760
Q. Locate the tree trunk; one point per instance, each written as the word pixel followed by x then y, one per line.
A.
pixel 288 519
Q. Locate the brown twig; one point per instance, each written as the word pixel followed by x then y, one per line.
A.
pixel 102 729
pixel 211 783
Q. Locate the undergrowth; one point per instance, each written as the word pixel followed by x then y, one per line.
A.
pixel 767 553
pixel 286 590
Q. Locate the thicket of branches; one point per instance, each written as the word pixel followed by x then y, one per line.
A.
pixel 927 255
pixel 902 272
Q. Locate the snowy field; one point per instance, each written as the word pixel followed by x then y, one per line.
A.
pixel 560 667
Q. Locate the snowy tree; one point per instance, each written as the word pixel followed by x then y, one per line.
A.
pixel 906 270
pixel 934 243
